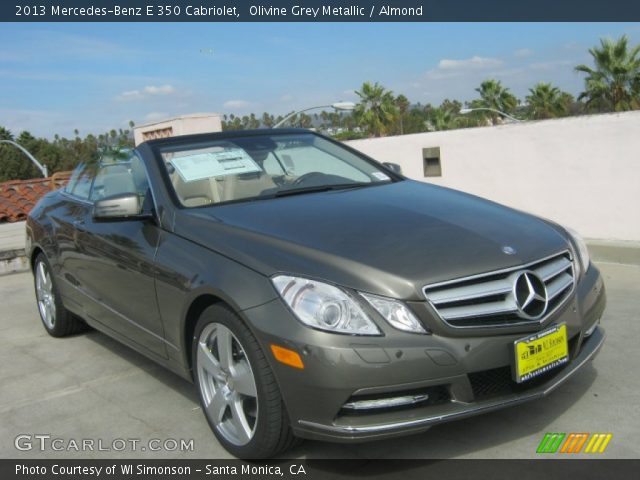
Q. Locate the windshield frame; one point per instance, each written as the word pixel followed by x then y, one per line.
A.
pixel 197 141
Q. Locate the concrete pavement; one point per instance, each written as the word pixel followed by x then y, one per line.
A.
pixel 91 387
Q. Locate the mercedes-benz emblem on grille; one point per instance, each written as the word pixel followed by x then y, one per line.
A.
pixel 531 295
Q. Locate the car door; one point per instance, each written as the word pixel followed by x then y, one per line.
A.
pixel 118 267
pixel 66 216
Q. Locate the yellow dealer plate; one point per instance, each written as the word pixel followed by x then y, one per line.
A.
pixel 537 354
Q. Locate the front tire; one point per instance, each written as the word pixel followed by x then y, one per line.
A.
pixel 57 320
pixel 238 391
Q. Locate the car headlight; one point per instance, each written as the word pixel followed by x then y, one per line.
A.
pixel 324 306
pixel 395 312
pixel 581 250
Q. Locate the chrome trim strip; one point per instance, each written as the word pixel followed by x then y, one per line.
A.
pixel 426 421
pixel 549 271
pixel 558 285
pixel 494 306
pixel 373 404
pixel 478 310
pixel 495 272
pixel 469 292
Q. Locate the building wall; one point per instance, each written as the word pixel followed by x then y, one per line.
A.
pixel 183 125
pixel 583 172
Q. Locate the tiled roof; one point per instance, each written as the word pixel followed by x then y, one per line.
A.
pixel 18 197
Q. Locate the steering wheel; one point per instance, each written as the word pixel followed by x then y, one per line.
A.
pixel 302 179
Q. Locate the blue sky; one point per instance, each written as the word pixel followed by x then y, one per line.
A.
pixel 94 77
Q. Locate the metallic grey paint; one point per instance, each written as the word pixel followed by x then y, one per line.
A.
pixel 144 281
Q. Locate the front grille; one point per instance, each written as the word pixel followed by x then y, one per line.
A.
pixel 489 300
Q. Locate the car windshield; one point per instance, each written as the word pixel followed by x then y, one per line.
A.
pixel 264 166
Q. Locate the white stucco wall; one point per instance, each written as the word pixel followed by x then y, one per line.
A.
pixel 583 172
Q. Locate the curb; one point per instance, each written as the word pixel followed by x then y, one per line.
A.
pixel 610 251
pixel 13 261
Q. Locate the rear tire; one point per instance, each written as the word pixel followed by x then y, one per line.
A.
pixel 57 320
pixel 237 388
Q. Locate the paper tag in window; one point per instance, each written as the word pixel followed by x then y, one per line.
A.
pixel 380 176
pixel 214 164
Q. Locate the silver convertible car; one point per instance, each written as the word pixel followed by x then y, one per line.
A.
pixel 311 292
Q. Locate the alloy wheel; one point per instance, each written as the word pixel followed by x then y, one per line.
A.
pixel 227 384
pixel 45 295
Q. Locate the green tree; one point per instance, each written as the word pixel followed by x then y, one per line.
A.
pixel 5 134
pixel 547 101
pixel 268 120
pixel 613 84
pixel 441 119
pixel 376 110
pixel 494 96
pixel 403 104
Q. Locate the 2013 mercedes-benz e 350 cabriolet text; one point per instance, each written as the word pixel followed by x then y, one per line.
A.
pixel 311 292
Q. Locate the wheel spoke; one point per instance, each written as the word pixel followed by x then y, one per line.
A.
pixel 50 314
pixel 243 379
pixel 225 350
pixel 217 406
pixel 239 420
pixel 207 361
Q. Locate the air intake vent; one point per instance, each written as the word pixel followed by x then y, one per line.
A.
pixel 515 296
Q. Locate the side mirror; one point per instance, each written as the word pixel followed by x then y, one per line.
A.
pixel 123 206
pixel 394 167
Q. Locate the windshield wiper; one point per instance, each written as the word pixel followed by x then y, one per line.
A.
pixel 316 188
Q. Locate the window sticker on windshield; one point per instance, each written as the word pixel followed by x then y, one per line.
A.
pixel 380 176
pixel 214 164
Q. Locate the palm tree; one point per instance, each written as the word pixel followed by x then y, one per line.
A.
pixel 5 134
pixel 614 83
pixel 403 105
pixel 441 119
pixel 493 95
pixel 547 101
pixel 268 120
pixel 376 110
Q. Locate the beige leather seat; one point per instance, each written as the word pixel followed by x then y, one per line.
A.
pixel 245 185
pixel 196 193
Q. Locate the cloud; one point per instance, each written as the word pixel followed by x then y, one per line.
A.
pixel 475 62
pixel 155 116
pixel 451 68
pixel 146 92
pixel 523 53
pixel 236 104
pixel 161 90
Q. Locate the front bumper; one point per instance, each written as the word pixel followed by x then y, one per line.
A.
pixel 422 420
pixel 340 368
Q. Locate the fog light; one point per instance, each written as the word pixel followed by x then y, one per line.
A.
pixel 385 402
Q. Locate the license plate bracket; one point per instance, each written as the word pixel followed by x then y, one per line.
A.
pixel 537 354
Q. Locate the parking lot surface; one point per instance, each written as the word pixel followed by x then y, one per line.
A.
pixel 91 387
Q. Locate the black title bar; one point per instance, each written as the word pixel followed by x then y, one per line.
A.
pixel 548 469
pixel 318 11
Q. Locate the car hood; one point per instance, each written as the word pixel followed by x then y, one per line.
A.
pixel 389 239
